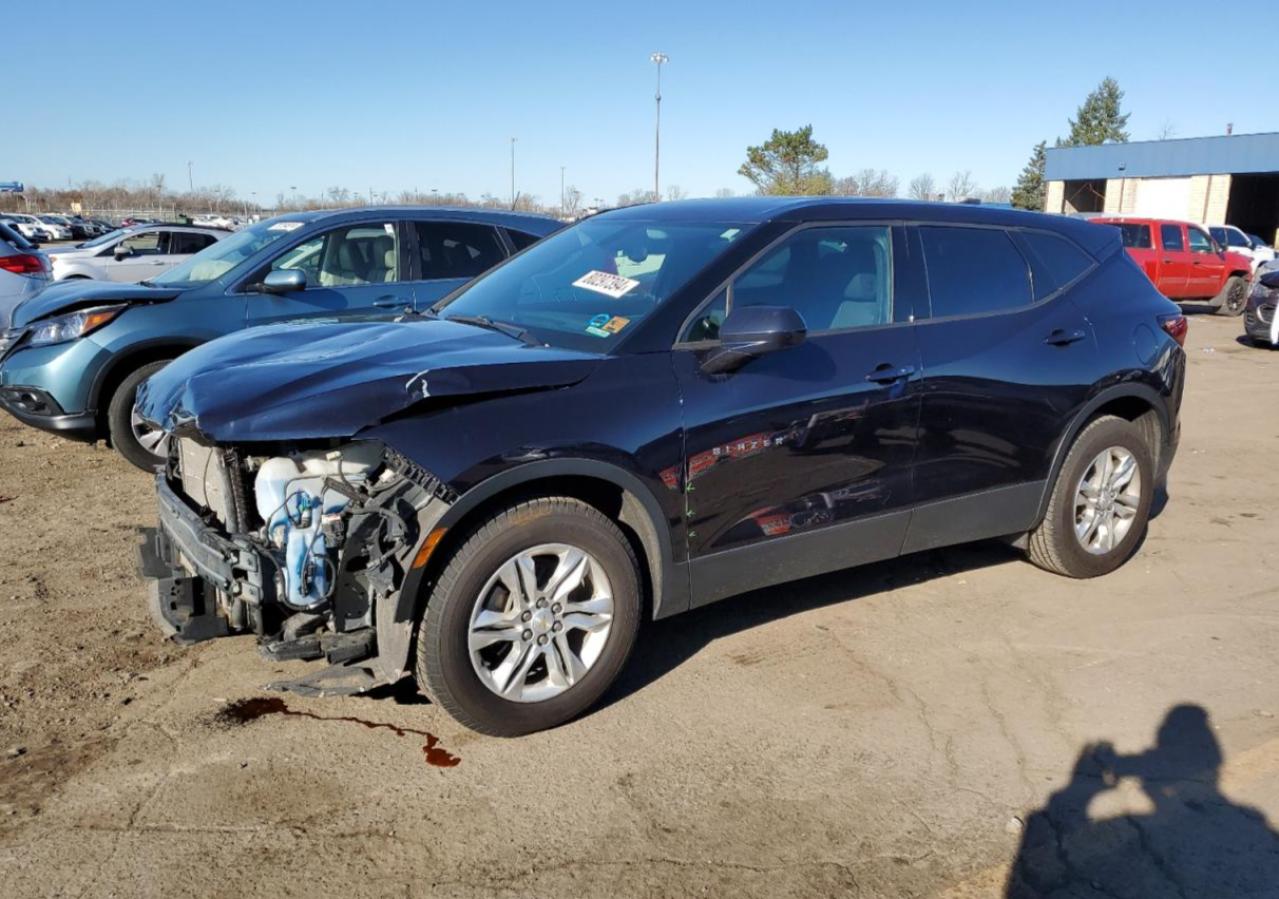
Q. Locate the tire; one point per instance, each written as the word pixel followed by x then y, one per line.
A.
pixel 120 419
pixel 467 588
pixel 1233 297
pixel 1055 545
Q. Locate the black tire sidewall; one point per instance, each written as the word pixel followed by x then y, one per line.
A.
pixel 119 417
pixel 1106 433
pixel 448 616
pixel 1237 288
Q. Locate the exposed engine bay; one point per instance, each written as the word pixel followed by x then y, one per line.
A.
pixel 311 548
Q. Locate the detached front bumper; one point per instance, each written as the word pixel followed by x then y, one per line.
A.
pixel 186 564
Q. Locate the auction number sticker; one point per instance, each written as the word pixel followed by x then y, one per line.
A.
pixel 285 226
pixel 610 285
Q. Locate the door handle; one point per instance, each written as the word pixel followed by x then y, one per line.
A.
pixel 1168 262
pixel 388 302
pixel 1061 337
pixel 886 373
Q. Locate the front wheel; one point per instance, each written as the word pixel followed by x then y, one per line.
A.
pixel 1100 504
pixel 532 618
pixel 141 444
pixel 1233 297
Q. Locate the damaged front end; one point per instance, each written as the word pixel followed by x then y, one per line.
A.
pixel 316 549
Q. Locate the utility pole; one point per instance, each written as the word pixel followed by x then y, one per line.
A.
pixel 660 59
pixel 190 179
pixel 561 191
pixel 512 173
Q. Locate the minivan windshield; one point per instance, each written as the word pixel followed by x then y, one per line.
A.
pixel 218 258
pixel 587 286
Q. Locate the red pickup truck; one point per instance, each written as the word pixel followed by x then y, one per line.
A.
pixel 1185 263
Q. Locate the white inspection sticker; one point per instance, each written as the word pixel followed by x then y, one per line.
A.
pixel 285 226
pixel 610 285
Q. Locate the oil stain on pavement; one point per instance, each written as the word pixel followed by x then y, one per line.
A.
pixel 243 711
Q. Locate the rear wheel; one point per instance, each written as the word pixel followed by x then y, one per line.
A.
pixel 1100 504
pixel 532 618
pixel 144 446
pixel 1233 297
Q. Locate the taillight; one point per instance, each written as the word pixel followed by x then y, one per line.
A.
pixel 1176 326
pixel 24 264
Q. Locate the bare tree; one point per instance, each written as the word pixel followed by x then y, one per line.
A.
pixel 572 201
pixel 1167 131
pixel 724 193
pixel 867 183
pixel 962 186
pixel 675 192
pixel 997 195
pixel 922 187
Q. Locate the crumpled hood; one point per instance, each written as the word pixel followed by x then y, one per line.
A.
pixel 65 296
pixel 306 381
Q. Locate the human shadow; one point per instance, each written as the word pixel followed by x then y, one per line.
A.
pixel 1192 842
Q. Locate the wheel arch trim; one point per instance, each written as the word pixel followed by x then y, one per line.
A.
pixel 1127 390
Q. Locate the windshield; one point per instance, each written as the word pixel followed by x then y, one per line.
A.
pixel 584 287
pixel 217 259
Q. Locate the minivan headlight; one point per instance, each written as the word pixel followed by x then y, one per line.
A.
pixel 62 328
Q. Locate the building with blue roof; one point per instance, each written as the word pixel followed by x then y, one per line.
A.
pixel 1227 179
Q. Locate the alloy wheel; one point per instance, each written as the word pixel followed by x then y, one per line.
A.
pixel 1106 500
pixel 152 439
pixel 540 622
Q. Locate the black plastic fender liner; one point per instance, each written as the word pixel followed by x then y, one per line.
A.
pixel 395 613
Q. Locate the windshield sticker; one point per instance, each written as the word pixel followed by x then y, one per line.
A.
pixel 610 285
pixel 605 325
pixel 285 226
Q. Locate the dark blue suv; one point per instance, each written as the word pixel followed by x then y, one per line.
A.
pixel 71 358
pixel 654 409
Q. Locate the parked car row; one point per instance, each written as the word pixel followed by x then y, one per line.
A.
pixel 72 357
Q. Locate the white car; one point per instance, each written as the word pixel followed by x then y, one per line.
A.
pixel 58 226
pixel 136 253
pixel 1236 241
pixel 29 226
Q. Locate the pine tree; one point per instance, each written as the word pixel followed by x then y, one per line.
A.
pixel 1099 119
pixel 1029 192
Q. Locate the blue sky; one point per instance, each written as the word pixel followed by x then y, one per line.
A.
pixel 394 95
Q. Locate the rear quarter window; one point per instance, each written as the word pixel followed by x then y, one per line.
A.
pixel 972 271
pixel 1054 261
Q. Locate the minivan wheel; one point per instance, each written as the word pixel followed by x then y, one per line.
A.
pixel 1233 297
pixel 1100 503
pixel 532 618
pixel 144 446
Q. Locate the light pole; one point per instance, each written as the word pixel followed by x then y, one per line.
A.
pixel 660 59
pixel 512 173
pixel 561 191
pixel 190 179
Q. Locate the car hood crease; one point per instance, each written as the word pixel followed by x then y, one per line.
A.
pixel 331 380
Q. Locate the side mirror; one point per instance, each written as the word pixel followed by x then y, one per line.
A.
pixel 1270 279
pixel 753 331
pixel 122 252
pixel 285 280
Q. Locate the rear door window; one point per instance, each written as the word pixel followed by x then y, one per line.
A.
pixel 1170 237
pixel 456 249
pixel 148 243
pixel 972 271
pixel 1135 236
pixel 186 242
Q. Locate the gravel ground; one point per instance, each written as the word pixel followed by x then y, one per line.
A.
pixel 915 728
